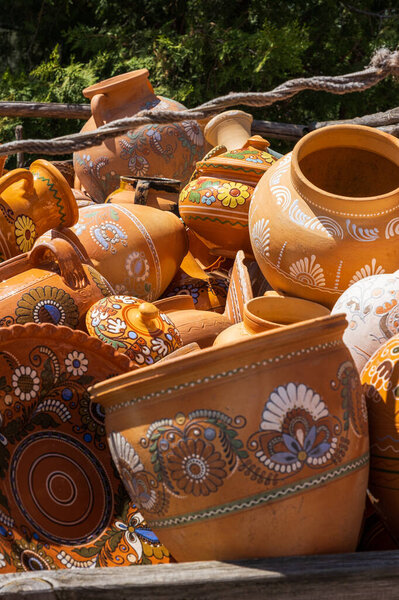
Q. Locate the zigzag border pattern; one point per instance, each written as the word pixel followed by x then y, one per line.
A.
pixel 54 191
pixel 216 219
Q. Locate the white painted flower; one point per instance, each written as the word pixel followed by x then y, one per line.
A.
pixel 116 325
pixel 122 450
pixel 158 345
pixel 366 271
pixel 137 266
pixel 193 132
pixel 260 237
pixel 76 363
pixel 307 271
pixel 25 382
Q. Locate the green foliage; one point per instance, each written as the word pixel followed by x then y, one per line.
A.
pixel 194 50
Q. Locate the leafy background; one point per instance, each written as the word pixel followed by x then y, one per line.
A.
pixel 195 50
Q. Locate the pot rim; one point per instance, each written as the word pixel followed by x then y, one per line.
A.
pixel 117 82
pixel 254 323
pixel 163 378
pixel 308 190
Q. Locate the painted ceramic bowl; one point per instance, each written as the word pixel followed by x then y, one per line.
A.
pixel 134 327
pixel 250 450
pixel 61 503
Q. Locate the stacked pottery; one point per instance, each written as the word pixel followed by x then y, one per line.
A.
pixel 157 192
pixel 221 477
pixel 169 150
pixel 327 214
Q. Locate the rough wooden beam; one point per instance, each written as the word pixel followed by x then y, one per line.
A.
pixel 281 131
pixel 51 110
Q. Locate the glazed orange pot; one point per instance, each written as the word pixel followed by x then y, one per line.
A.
pixel 169 150
pixel 157 192
pixel 327 214
pixel 50 284
pixel 215 203
pixel 31 202
pixel 138 249
pixel 268 312
pixel 250 450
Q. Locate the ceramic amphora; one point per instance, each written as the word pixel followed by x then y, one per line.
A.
pixel 380 376
pixel 215 203
pixel 268 312
pixel 31 202
pixel 250 450
pixel 327 214
pixel 50 284
pixel 162 150
pixel 371 306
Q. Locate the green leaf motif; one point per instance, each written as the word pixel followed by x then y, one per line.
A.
pixel 195 197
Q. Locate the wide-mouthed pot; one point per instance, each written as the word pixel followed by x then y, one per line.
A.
pixel 327 214
pixel 250 450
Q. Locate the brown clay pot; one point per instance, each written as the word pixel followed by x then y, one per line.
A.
pixel 169 150
pixel 327 214
pixel 157 192
pixel 247 450
pixel 50 284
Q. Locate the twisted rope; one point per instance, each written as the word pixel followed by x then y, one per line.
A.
pixel 383 63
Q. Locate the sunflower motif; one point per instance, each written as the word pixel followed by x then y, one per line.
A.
pixel 233 194
pixel 47 305
pixel 25 382
pixel 76 363
pixel 25 233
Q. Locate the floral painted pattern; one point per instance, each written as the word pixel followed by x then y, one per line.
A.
pixel 25 233
pixel 47 304
pixel 233 194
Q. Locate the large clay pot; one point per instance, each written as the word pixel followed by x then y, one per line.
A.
pixel 371 306
pixel 381 378
pixel 169 150
pixel 268 312
pixel 157 192
pixel 215 203
pixel 138 249
pixel 245 451
pixel 327 214
pixel 49 284
pixel 31 202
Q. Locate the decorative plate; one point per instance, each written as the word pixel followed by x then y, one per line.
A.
pixel 62 504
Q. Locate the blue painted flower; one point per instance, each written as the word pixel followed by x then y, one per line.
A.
pixel 208 198
pixel 254 160
pixel 301 449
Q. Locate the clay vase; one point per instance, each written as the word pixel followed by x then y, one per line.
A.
pixel 327 214
pixel 31 202
pixel 270 312
pixel 133 327
pixel 215 203
pixel 49 284
pixel 246 451
pixel 169 150
pixel 371 306
pixel 157 192
pixel 138 249
pixel 380 376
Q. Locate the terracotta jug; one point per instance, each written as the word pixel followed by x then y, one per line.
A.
pixel 135 328
pixel 169 150
pixel 138 249
pixel 371 306
pixel 327 214
pixel 380 376
pixel 215 203
pixel 157 192
pixel 50 284
pixel 248 450
pixel 269 312
pixel 31 202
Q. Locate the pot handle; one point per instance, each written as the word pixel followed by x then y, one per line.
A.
pixel 69 263
pixel 14 176
pixel 97 105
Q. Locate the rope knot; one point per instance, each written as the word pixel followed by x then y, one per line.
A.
pixel 385 60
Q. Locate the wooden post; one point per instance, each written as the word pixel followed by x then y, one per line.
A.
pixel 19 131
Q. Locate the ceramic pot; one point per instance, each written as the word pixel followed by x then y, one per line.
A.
pixel 136 328
pixel 49 284
pixel 62 504
pixel 381 379
pixel 269 312
pixel 138 249
pixel 327 214
pixel 224 478
pixel 31 202
pixel 215 203
pixel 157 192
pixel 169 150
pixel 371 306
pixel 209 294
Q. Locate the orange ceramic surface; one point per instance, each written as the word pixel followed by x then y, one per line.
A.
pixel 49 284
pixel 61 503
pixel 136 328
pixel 380 375
pixel 157 192
pixel 327 214
pixel 250 450
pixel 169 150
pixel 207 295
pixel 31 202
